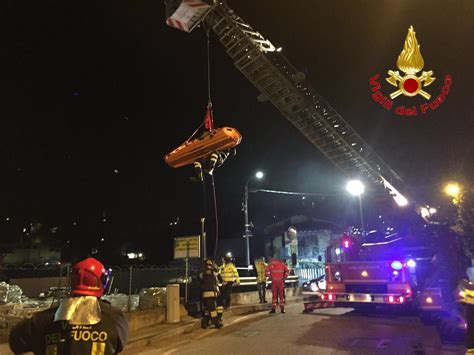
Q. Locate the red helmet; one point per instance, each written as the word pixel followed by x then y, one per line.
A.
pixel 89 278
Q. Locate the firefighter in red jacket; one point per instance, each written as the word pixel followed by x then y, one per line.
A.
pixel 277 271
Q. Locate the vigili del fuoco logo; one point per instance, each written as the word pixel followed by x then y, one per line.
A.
pixel 408 82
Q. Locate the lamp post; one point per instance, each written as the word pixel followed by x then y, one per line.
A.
pixel 247 232
pixel 356 188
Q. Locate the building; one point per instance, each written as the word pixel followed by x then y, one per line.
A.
pixel 301 240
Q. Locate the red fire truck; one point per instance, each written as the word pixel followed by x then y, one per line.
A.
pixel 393 270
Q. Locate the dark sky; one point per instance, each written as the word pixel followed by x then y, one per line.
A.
pixel 95 93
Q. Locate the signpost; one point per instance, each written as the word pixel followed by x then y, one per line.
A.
pixel 185 248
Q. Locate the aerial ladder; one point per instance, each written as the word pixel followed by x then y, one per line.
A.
pixel 279 82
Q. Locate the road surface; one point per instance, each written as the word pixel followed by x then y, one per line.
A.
pixel 326 331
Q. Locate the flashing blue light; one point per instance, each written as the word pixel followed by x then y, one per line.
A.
pixel 396 265
pixel 411 263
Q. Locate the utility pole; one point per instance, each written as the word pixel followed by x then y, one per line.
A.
pixel 247 226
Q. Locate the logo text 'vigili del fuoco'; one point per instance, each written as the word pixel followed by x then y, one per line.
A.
pixel 408 82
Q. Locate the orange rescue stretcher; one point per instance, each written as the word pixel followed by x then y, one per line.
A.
pixel 217 140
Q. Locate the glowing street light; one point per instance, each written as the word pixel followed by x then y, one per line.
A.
pixel 357 188
pixel 258 175
pixel 400 200
pixel 452 189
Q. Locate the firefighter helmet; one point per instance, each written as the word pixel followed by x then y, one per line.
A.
pixel 89 278
pixel 210 265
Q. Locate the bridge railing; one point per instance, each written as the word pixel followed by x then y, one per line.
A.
pixel 306 274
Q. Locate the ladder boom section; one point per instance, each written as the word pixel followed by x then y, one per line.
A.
pixel 287 89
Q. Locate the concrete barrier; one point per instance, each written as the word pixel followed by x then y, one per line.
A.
pixel 149 317
pixel 252 297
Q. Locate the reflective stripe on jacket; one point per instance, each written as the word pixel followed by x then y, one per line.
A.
pixel 466 292
pixel 209 294
pixel 229 273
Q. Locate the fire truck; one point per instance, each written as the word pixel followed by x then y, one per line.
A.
pixel 413 271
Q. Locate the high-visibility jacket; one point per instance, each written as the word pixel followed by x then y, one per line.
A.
pixel 466 292
pixel 260 267
pixel 229 273
pixel 277 270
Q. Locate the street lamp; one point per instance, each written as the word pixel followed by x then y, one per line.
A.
pixel 258 175
pixel 357 188
pixel 453 189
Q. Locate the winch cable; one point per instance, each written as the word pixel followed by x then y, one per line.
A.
pixel 209 125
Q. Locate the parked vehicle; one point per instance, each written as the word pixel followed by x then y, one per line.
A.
pixel 316 285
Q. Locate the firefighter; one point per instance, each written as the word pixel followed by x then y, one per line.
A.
pixel 230 276
pixel 260 266
pixel 466 294
pixel 210 294
pixel 277 271
pixel 81 324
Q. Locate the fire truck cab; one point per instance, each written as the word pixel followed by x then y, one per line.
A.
pixel 358 272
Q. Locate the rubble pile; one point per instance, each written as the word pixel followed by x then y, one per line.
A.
pixel 152 297
pixel 120 300
pixel 14 307
pixel 10 293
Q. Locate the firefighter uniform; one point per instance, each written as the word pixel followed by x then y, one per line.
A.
pixel 43 335
pixel 229 276
pixel 277 270
pixel 260 266
pixel 81 324
pixel 219 300
pixel 466 294
pixel 210 294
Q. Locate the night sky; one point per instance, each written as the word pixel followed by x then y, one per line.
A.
pixel 95 93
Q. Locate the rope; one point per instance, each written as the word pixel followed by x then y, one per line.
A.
pixel 194 133
pixel 207 30
pixel 215 215
pixel 209 101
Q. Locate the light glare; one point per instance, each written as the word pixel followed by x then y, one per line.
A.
pixel 452 189
pixel 355 187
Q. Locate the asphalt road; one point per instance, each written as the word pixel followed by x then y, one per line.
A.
pixel 326 331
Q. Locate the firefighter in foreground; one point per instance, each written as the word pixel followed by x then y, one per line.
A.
pixel 230 276
pixel 82 324
pixel 277 271
pixel 210 293
pixel 260 266
pixel 466 294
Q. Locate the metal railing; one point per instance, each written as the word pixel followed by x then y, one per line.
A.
pixel 310 273
pixel 252 280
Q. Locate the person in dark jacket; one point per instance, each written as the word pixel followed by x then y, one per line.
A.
pixel 210 293
pixel 81 324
